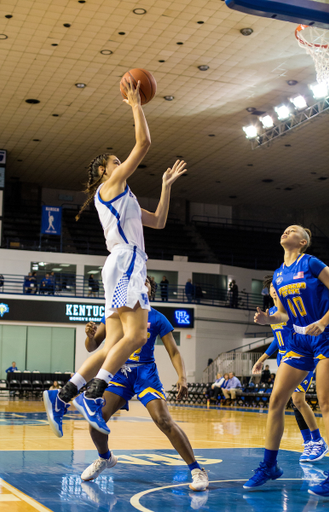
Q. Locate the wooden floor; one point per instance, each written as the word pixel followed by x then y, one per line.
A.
pixel 24 429
pixel 212 428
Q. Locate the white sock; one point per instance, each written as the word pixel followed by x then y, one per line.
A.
pixel 104 375
pixel 78 380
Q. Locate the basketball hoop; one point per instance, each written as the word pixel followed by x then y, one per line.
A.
pixel 315 42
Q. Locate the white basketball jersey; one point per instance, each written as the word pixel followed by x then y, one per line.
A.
pixel 121 219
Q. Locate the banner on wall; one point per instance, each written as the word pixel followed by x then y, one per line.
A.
pixel 78 312
pixel 51 221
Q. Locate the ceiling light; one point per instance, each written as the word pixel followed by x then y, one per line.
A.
pixel 283 112
pixel 203 67
pixel 80 85
pixel 250 131
pixel 250 109
pixel 139 11
pixel 246 31
pixel 93 272
pixel 169 98
pixel 299 102
pixel 267 121
pixel 106 52
pixel 319 90
pixel 292 82
pixel 64 264
pixel 56 269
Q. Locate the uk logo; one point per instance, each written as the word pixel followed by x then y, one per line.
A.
pixel 4 308
pixel 145 299
pixel 182 317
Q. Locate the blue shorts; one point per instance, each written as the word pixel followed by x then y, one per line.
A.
pixel 142 381
pixel 305 351
pixel 305 384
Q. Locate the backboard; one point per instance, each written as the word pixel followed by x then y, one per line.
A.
pixel 305 12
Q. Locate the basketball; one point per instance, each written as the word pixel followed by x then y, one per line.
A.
pixel 148 84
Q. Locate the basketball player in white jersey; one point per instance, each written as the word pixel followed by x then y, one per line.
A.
pixel 124 272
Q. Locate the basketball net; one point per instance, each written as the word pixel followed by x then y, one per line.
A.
pixel 315 42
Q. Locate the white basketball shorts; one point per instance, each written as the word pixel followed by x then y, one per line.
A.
pixel 124 276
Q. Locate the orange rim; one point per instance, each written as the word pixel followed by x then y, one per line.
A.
pixel 298 31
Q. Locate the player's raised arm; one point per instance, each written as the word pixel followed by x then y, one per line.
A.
pixel 158 219
pixel 177 361
pixel 142 136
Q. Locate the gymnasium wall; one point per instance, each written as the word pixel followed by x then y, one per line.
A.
pixel 216 329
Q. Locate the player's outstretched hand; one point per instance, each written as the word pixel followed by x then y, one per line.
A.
pixel 257 368
pixel 173 173
pixel 91 329
pixel 315 329
pixel 181 389
pixel 261 317
pixel 132 92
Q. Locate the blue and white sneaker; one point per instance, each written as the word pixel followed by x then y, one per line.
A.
pixel 305 456
pixel 55 408
pixel 262 474
pixel 319 449
pixel 321 489
pixel 91 410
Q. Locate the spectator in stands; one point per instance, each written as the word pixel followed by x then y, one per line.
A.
pixel 55 385
pixel 234 294
pixel 198 293
pixel 2 282
pixel 266 375
pixel 154 287
pixel 164 289
pixel 267 300
pixel 215 388
pixel 272 379
pixel 52 278
pixel 27 286
pixel 93 286
pixel 232 388
pixel 34 283
pixel 12 368
pixel 189 290
pixel 45 285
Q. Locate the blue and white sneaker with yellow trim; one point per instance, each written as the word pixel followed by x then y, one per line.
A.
pixel 319 450
pixel 321 489
pixel 262 474
pixel 55 409
pixel 91 410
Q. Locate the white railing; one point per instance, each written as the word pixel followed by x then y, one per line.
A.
pixel 241 363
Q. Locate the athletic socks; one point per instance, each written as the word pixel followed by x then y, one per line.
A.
pixel 105 455
pixel 316 436
pixel 68 392
pixel 104 375
pixel 194 465
pixel 96 388
pixel 78 380
pixel 270 457
pixel 306 435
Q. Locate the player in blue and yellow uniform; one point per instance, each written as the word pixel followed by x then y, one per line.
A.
pixel 139 376
pixel 304 415
pixel 302 287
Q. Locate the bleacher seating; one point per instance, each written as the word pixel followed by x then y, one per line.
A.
pixel 253 396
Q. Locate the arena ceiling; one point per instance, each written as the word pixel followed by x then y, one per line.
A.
pixel 52 142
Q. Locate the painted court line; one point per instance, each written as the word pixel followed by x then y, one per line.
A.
pixel 134 501
pixel 21 496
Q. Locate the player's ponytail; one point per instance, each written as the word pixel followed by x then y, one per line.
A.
pixel 94 179
pixel 308 237
pixel 267 281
